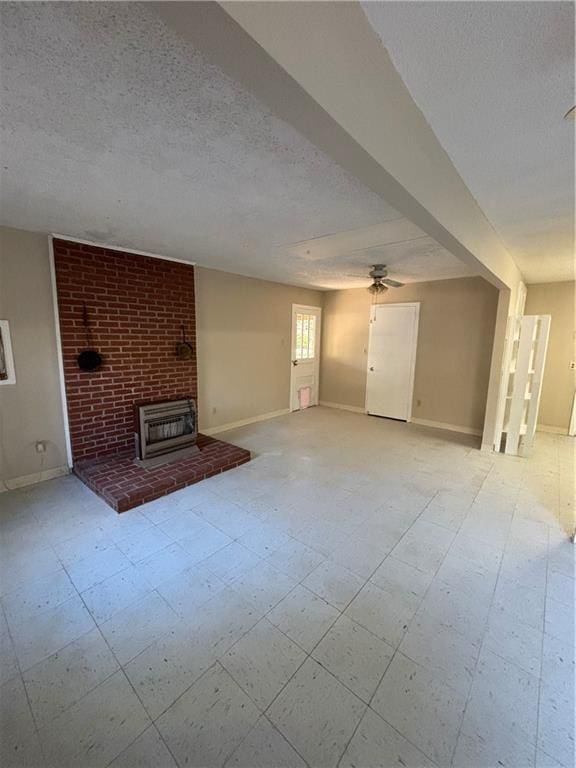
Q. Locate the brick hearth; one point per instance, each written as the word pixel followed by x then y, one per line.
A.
pixel 123 484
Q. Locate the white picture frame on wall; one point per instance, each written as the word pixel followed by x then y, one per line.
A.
pixel 7 371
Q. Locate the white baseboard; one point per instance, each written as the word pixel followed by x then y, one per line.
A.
pixel 38 477
pixel 342 407
pixel 244 422
pixel 552 430
pixel 448 427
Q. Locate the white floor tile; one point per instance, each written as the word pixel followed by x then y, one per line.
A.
pixel 190 589
pixel 231 562
pixel 556 723
pixel 545 761
pixel 316 714
pixel 62 679
pixel 148 751
pixel 355 656
pixel 138 546
pixel 386 614
pixel 133 629
pixel 228 517
pixel 519 602
pixel 201 545
pixel 265 747
pixel 115 593
pixel 80 547
pixel 208 722
pixel 263 586
pixel 334 584
pixel 263 540
pixel 424 546
pixel 303 616
pixel 164 670
pixel 326 498
pixel 262 662
pixel 421 707
pixel 163 565
pixel 377 745
pixel 501 714
pixel 561 588
pixel 38 596
pixel 22 568
pixel 456 610
pixel 559 621
pixel 518 643
pixel 558 665
pixel 8 660
pixel 96 729
pixel 400 578
pixel 19 745
pixel 49 631
pixel 295 559
pixel 96 568
pixel 361 556
pixel 446 653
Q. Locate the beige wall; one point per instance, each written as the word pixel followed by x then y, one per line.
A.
pixel 557 300
pixel 243 333
pixel 243 336
pixel 453 356
pixel 30 410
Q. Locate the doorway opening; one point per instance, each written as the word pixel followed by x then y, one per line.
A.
pixel 305 356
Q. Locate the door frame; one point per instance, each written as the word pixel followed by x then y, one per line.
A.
pixel 373 310
pixel 306 308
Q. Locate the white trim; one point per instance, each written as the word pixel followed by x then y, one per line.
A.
pixel 310 309
pixel 416 305
pixel 63 398
pixel 109 247
pixel 245 422
pixel 342 407
pixel 8 354
pixel 36 477
pixel 552 430
pixel 448 427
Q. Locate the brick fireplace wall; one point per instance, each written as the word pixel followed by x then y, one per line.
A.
pixel 136 306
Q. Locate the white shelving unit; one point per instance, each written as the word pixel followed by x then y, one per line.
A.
pixel 524 359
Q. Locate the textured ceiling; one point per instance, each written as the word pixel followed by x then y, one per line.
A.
pixel 117 131
pixel 494 80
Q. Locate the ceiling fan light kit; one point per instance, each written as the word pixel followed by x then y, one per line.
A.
pixel 377 287
pixel 380 280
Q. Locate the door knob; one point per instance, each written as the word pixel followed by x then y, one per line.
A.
pixel 371 367
pixel 294 362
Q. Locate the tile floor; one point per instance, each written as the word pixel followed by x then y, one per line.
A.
pixel 364 593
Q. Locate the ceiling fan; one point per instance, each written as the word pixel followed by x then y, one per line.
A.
pixel 380 279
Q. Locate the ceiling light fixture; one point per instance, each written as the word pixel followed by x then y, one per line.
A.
pixel 378 287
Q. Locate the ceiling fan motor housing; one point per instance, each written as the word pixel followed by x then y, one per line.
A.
pixel 378 271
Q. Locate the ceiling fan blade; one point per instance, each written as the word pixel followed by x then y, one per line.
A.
pixel 393 283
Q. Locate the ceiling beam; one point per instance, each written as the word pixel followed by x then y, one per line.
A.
pixel 322 68
pixel 332 52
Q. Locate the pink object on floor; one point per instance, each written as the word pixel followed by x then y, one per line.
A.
pixel 304 397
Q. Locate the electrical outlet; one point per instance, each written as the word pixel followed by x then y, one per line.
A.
pixel 572 366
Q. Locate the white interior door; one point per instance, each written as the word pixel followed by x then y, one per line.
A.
pixel 392 360
pixel 305 360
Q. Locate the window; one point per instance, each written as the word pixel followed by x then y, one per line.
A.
pixel 305 336
pixel 7 373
